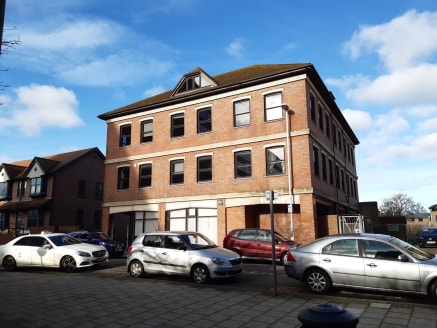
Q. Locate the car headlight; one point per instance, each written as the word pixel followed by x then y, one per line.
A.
pixel 220 261
pixel 83 254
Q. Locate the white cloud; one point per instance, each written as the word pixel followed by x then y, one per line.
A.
pixel 358 120
pixel 41 106
pixel 427 125
pixel 402 42
pixel 153 91
pixel 236 48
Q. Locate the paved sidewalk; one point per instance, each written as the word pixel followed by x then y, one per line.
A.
pixel 41 299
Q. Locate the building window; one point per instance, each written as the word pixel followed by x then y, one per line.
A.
pixel 5 190
pixel 4 221
pixel 243 164
pixel 34 218
pixel 334 134
pixel 99 191
pixel 177 171
pixel 21 190
pixel 328 128
pixel 331 171
pixel 146 131
pixel 337 176
pixel 145 179
pixel 339 140
pixel 273 106
pixel 97 219
pixel 204 168
pixel 275 160
pixel 320 108
pixel 81 190
pixel 123 178
pixel 37 186
pixel 316 161
pixel 313 108
pixel 241 112
pixel 324 168
pixel 125 135
pixel 204 120
pixel 79 218
pixel 342 181
pixel 177 125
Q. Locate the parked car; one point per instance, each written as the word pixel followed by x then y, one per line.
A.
pixel 115 248
pixel 50 250
pixel 257 244
pixel 428 237
pixel 367 261
pixel 181 253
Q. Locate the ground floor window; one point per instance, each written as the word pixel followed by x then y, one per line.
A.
pixel 34 218
pixel 145 222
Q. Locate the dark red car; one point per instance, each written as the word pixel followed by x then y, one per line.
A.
pixel 257 244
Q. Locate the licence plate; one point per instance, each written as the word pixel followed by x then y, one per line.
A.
pixel 118 249
pixel 100 259
pixel 430 242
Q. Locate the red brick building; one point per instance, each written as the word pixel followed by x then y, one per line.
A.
pixel 203 155
pixel 59 193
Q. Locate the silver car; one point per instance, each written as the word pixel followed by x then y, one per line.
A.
pixel 181 253
pixel 367 261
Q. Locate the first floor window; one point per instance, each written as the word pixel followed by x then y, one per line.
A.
pixel 37 186
pixel 123 178
pixel 204 168
pixel 243 164
pixel 324 168
pixel 177 125
pixel 147 131
pixel 177 171
pixel 34 218
pixel 241 113
pixel 275 160
pixel 316 161
pixel 204 120
pixel 145 179
pixel 125 135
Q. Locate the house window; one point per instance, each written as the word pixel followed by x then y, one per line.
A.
pixel 316 161
pixel 21 190
pixel 123 178
pixel 177 125
pixel 146 131
pixel 273 106
pixel 190 83
pixel 79 218
pixel 37 186
pixel 337 177
pixel 97 219
pixel 331 171
pixel 342 181
pixel 81 191
pixel 334 134
pixel 313 108
pixel 204 120
pixel 125 135
pixel 204 168
pixel 328 128
pixel 5 190
pixel 34 218
pixel 243 164
pixel 241 112
pixel 320 108
pixel 99 191
pixel 4 221
pixel 275 160
pixel 177 171
pixel 324 168
pixel 145 179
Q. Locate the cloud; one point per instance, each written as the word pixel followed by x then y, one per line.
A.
pixel 41 106
pixel 236 48
pixel 358 120
pixel 153 91
pixel 403 42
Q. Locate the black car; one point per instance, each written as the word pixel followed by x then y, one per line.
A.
pixel 428 237
pixel 115 248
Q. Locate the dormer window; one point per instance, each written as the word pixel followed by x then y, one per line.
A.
pixel 5 190
pixel 37 187
pixel 192 81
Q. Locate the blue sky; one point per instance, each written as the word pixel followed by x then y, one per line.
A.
pixel 78 59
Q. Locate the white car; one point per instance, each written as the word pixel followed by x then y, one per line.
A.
pixel 56 250
pixel 182 253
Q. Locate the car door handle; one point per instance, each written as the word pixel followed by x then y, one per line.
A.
pixel 164 253
pixel 372 265
pixel 327 260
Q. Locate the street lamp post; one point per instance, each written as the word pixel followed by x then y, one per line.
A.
pixel 288 112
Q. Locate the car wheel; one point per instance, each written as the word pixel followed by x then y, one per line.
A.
pixel 136 269
pixel 68 264
pixel 9 263
pixel 200 274
pixel 433 290
pixel 318 281
pixel 284 257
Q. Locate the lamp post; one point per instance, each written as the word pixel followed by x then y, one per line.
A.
pixel 288 112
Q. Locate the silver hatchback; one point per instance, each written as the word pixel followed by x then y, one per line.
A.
pixel 367 261
pixel 184 253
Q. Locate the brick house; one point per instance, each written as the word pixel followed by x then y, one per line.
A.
pixel 58 193
pixel 203 155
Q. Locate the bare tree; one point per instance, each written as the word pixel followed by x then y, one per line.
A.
pixel 400 205
pixel 6 45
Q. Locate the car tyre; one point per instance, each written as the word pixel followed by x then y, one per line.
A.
pixel 68 264
pixel 9 263
pixel 200 274
pixel 136 269
pixel 433 290
pixel 284 257
pixel 318 281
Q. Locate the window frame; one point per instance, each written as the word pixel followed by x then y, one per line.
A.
pixel 271 163
pixel 241 116
pixel 125 133
pixel 145 180
pixel 146 136
pixel 177 127
pixel 274 109
pixel 204 171
pixel 177 176
pixel 204 125
pixel 241 167
pixel 123 182
pixel 316 164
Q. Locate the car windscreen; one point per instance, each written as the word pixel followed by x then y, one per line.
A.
pixel 64 240
pixel 197 241
pixel 410 249
pixel 99 235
